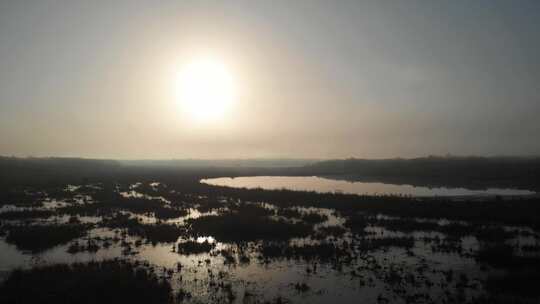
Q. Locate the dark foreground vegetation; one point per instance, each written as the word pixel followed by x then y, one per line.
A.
pixel 114 281
pixel 193 235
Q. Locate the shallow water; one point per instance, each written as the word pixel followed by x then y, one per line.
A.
pixel 320 184
pixel 390 272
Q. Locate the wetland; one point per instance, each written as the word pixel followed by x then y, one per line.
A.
pixel 186 241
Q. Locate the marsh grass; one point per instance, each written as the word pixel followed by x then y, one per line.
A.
pixel 25 214
pixel 154 233
pixel 314 218
pixel 113 281
pixel 239 227
pixel 192 247
pixel 37 238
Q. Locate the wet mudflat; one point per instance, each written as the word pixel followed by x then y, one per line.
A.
pixel 195 243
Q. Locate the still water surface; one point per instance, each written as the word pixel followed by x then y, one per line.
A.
pixel 369 276
pixel 320 184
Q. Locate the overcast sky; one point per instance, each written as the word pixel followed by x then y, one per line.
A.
pixel 322 79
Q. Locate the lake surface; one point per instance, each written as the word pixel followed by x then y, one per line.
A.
pixel 320 184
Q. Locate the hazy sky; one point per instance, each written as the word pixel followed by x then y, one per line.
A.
pixel 313 78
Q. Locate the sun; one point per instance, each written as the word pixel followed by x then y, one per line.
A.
pixel 205 89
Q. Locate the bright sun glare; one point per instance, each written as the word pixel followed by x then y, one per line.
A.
pixel 205 89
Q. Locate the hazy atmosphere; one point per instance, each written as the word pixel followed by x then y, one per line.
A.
pixel 315 79
pixel 270 152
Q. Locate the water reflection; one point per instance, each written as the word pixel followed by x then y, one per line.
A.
pixel 320 184
pixel 265 268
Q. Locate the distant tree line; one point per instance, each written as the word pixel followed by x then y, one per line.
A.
pixel 521 172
